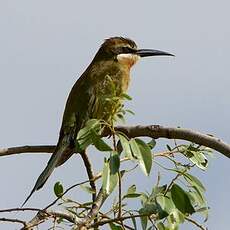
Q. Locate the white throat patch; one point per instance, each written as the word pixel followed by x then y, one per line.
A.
pixel 128 59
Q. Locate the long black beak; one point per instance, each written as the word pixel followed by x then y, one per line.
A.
pixel 150 52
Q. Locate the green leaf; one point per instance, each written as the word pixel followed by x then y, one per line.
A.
pixel 160 226
pixel 126 96
pixel 88 189
pixel 135 148
pixel 119 117
pixel 90 134
pixel 131 192
pixel 158 190
pixel 173 225
pixel 143 153
pixel 196 198
pixel 99 143
pixel 199 160
pixel 207 151
pixel 122 173
pixel 132 189
pixel 196 156
pixel 84 136
pixel 204 211
pixel 181 200
pixel 58 189
pixel 194 181
pixel 83 140
pixel 115 226
pixel 143 198
pixel 144 220
pixel 151 228
pixel 93 123
pixel 165 203
pixel 114 165
pixel 106 177
pixel 109 179
pixel 114 162
pixel 125 145
pixel 150 207
pixel 129 111
pixel 151 144
pixel 134 221
pixel 132 195
pixel 169 148
pixel 113 182
pixel 175 219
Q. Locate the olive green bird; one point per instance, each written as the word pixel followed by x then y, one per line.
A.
pixel 87 99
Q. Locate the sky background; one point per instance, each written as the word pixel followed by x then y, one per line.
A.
pixel 46 45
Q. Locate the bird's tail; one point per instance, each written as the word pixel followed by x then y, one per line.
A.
pixel 54 161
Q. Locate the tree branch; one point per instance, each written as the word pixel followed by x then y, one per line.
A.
pixel 153 131
pixel 195 223
pixel 42 215
pixel 27 149
pixel 156 131
pixel 13 221
pixel 118 219
pixel 100 199
pixel 89 170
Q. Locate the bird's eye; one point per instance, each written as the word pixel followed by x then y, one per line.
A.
pixel 127 49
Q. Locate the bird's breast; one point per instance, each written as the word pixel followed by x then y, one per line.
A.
pixel 107 92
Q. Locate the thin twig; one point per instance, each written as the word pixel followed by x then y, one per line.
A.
pixel 13 221
pixel 89 170
pixel 119 194
pixel 44 214
pixel 100 199
pixel 118 222
pixel 195 223
pixel 70 188
pixel 20 209
pixel 120 199
pixel 67 190
pixel 103 222
pixel 172 182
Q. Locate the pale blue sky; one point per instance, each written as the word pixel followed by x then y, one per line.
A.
pixel 46 45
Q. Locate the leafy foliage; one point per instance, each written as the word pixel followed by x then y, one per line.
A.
pixel 167 206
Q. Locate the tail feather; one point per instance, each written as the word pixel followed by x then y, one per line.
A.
pixel 52 164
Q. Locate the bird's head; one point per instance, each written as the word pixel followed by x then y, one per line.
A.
pixel 125 51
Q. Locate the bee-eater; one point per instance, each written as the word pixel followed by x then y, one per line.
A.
pixel 112 63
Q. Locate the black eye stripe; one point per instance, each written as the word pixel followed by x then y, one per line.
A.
pixel 127 49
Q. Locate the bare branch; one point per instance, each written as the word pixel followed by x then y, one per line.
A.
pixel 67 190
pixel 153 131
pixel 13 221
pixel 156 131
pixel 89 170
pixel 100 199
pixel 27 149
pixel 20 209
pixel 118 219
pixel 42 215
pixel 195 223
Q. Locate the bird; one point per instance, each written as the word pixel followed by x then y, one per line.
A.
pixel 87 98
